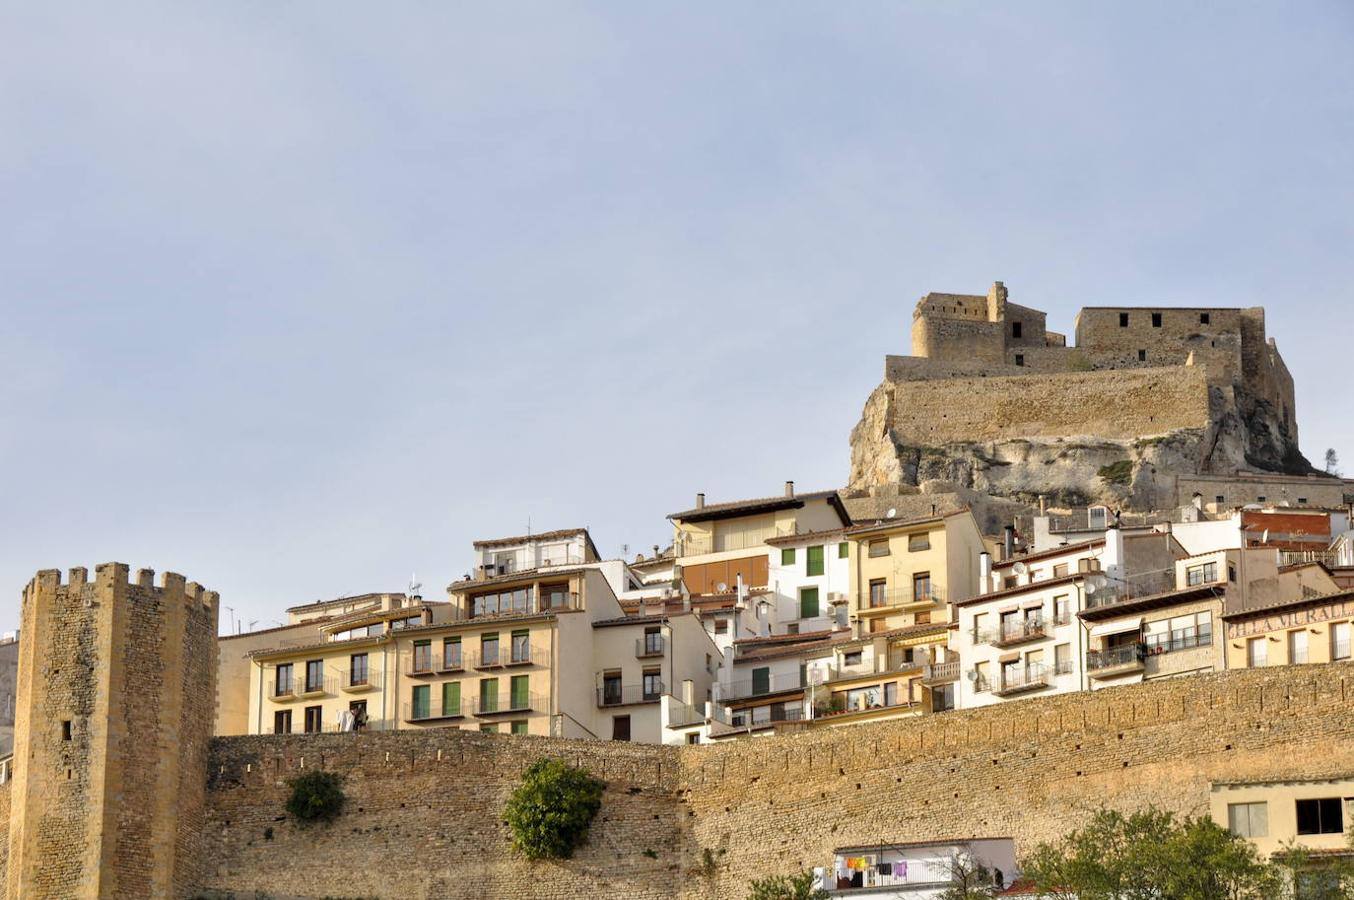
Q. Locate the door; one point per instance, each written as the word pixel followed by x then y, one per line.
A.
pixel 315 675
pixel 611 690
pixel 282 722
pixel 921 586
pixel 359 710
pixel 518 693
pixel 808 603
pixel 422 702
pixel 314 719
pixel 761 680
pixel 488 695
pixel 451 698
pixel 620 728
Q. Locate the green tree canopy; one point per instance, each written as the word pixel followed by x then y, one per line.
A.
pixel 550 811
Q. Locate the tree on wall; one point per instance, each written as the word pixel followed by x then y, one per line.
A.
pixel 969 880
pixel 1150 854
pixel 315 797
pixel 1332 461
pixel 550 811
pixel 786 887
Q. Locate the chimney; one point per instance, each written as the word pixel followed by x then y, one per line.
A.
pixel 700 501
pixel 655 551
pixel 1007 542
pixel 1113 561
pixel 984 572
pixel 1197 500
pixel 1043 505
pixel 789 488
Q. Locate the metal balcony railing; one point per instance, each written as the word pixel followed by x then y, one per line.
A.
pixel 650 645
pixel 696 545
pixel 489 705
pixel 1030 677
pixel 828 708
pixel 756 687
pixel 1179 639
pixel 1012 632
pixel 902 597
pixel 434 710
pixel 765 715
pixel 420 665
pixel 680 715
pixel 453 661
pixel 360 681
pixel 535 604
pixel 1114 657
pixel 625 695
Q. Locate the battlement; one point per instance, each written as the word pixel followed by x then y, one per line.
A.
pixel 116 577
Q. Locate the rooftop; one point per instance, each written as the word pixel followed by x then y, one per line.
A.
pixel 1301 603
pixel 735 508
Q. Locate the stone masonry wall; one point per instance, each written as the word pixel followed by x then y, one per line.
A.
pixel 424 809
pixel 1124 404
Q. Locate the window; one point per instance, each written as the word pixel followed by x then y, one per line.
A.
pixel 852 658
pixel 501 603
pixel 282 721
pixel 1206 573
pixel 491 728
pixel 1156 320
pixel 879 547
pixel 761 680
pixel 1020 359
pixel 1248 820
pixel 518 726
pixel 878 592
pixel 1219 499
pixel 918 542
pixel 721 626
pixel 1062 610
pixel 314 675
pixel 787 556
pixel 1257 652
pixel 489 649
pixel 1123 320
pixel 792 628
pixel 1297 647
pixel 1060 570
pixel 981 676
pixel 423 656
pixel 555 596
pixel 843 550
pixel 942 697
pixel 1142 356
pixel 521 646
pixel 314 719
pixel 808 603
pixel 813 563
pixel 451 698
pixel 611 688
pixel 422 705
pixel 357 668
pixel 488 695
pixel 1204 318
pixel 1231 572
pixel 1062 659
pixel 1260 498
pixel 891 693
pixel 693 738
pixel 451 654
pixel 66 730
pixel 1339 641
pixel 1015 329
pixel 653 684
pixel 519 693
pixel 921 586
pixel 1302 501
pixel 922 618
pixel 1179 633
pixel 653 641
pixel 1321 816
pixel 620 728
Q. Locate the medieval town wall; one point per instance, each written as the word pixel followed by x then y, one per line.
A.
pixel 424 813
pixel 1114 405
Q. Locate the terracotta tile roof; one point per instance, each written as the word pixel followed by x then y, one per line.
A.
pixel 906 631
pixel 557 535
pixel 470 584
pixel 761 504
pixel 778 651
pixel 1048 554
pixel 885 524
pixel 783 638
pixel 1154 601
pixel 354 598
pixel 1300 603
pixel 1024 588
pixel 822 535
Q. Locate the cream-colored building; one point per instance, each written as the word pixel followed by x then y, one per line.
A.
pixel 1315 814
pixel 1311 629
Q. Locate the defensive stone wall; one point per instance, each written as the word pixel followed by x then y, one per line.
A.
pixel 424 813
pixel 1122 405
pixel 114 713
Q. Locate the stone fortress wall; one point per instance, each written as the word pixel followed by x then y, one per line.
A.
pixel 424 815
pixel 114 715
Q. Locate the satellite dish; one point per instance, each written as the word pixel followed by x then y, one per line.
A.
pixel 1020 568
pixel 1091 587
pixel 721 587
pixel 972 675
pixel 892 513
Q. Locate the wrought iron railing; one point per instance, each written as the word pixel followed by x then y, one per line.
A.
pixel 625 695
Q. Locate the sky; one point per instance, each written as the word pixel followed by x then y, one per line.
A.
pixel 300 299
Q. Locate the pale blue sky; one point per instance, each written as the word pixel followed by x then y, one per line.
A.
pixel 299 298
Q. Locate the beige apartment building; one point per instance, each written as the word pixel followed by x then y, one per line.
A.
pixel 1307 629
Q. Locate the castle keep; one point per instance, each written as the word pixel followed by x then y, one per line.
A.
pixel 114 715
pixel 993 401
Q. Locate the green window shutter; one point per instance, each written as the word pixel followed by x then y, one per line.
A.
pixel 808 603
pixel 787 556
pixel 843 550
pixel 761 680
pixel 451 698
pixel 814 564
pixel 518 688
pixel 422 699
pixel 519 727
pixel 489 695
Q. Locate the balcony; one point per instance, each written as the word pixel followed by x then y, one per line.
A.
pixel 880 603
pixel 1013 633
pixel 680 715
pixel 764 715
pixel 699 544
pixel 1019 681
pixel 493 705
pixel 534 605
pixel 360 682
pixel 434 712
pixel 649 646
pixel 420 667
pixel 940 673
pixel 834 707
pixel 454 663
pixel 758 687
pixel 292 690
pixel 1115 661
pixel 615 694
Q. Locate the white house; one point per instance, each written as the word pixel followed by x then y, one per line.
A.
pixel 918 871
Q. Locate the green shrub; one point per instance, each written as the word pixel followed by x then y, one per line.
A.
pixel 1120 472
pixel 550 811
pixel 786 887
pixel 315 797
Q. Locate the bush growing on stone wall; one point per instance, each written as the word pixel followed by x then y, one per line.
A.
pixel 786 887
pixel 550 811
pixel 1120 472
pixel 315 797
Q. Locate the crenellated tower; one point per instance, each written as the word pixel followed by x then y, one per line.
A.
pixel 114 712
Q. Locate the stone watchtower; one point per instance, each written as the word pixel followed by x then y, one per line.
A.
pixel 114 712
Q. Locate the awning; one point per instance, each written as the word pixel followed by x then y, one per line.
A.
pixel 1106 628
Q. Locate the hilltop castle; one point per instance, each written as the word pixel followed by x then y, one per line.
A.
pixel 993 403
